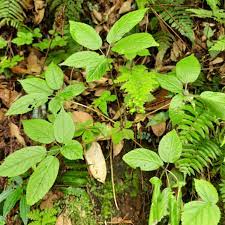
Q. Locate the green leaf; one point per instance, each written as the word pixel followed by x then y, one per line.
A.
pixel 102 101
pixel 81 59
pixel 3 43
pixel 124 25
pixel 27 103
pixel 175 204
pixel 23 38
pixel 170 83
pixel 39 130
pixel 11 201
pixel 176 113
pixel 72 150
pixel 63 127
pixel 54 76
pixel 134 43
pixel 42 179
pixel 21 160
pixel 188 69
pixel 200 213
pixel 97 70
pixel 215 102
pixel 24 209
pixel 170 147
pixel 55 104
pixel 85 35
pixel 206 191
pixel 71 91
pixel 145 159
pixel 35 85
pixel 135 80
pixel 5 194
pixel 159 203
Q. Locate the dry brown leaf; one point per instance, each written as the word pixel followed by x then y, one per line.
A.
pixel 177 50
pixel 39 6
pixel 217 61
pixel 2 114
pixel 159 129
pixel 49 199
pixel 63 219
pixel 96 161
pixel 15 132
pixel 126 7
pixel 97 15
pixel 117 148
pixel 80 116
pixel 7 96
pixel 33 64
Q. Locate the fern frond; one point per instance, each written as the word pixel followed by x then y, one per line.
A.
pixel 137 84
pixel 195 157
pixel 12 12
pixel 219 45
pixel 222 190
pixel 213 4
pixel 201 13
pixel 164 39
pixel 196 123
pixel 179 19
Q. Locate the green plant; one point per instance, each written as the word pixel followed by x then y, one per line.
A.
pixel 215 13
pixel 43 217
pixel 130 46
pixel 13 194
pixel 56 134
pixel 190 147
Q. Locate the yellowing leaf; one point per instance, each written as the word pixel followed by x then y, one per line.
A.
pixel 96 161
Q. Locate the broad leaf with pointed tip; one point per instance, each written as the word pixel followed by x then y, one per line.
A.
pixel 85 35
pixel 63 127
pixel 39 130
pixel 42 179
pixel 124 25
pixel 21 160
pixel 145 159
pixel 54 76
pixel 170 147
pixel 188 69
pixel 27 103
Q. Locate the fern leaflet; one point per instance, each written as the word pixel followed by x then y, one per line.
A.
pixel 195 157
pixel 219 45
pixel 179 19
pixel 137 83
pixel 12 12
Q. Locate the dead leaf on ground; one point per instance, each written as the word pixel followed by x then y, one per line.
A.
pixel 15 132
pixel 49 199
pixel 80 116
pixel 2 114
pixel 96 161
pixel 159 129
pixel 216 61
pixel 33 63
pixel 117 148
pixel 177 50
pixel 63 219
pixel 8 96
pixel 126 7
pixel 39 6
